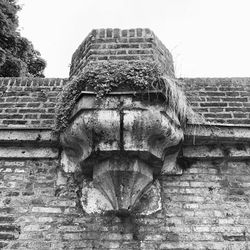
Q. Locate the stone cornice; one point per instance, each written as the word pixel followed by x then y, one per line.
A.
pixel 195 134
pixel 28 143
pixel 42 143
pixel 27 136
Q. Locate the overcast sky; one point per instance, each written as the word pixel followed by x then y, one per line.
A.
pixel 208 38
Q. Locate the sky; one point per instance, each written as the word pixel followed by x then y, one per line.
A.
pixel 207 38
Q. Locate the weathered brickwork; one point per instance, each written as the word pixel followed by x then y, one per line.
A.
pixel 31 102
pixel 121 45
pixel 209 206
pixel 220 100
pixel 28 102
pixel 205 208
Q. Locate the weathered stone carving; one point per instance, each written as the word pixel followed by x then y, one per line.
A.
pixel 122 142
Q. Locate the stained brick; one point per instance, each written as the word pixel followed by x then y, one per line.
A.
pixel 6 219
pixel 3 244
pixel 237 115
pixel 9 228
pixel 7 236
pixel 220 115
pixel 211 104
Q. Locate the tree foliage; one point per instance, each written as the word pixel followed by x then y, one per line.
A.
pixel 17 54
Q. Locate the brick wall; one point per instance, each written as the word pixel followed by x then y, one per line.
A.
pixel 28 102
pixel 205 208
pixel 121 45
pixel 220 100
pixel 31 102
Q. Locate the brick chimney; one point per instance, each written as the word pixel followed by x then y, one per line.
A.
pixel 121 45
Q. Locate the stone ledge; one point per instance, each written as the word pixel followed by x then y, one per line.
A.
pixel 41 143
pixel 28 143
pixel 241 152
pixel 28 152
pixel 196 134
pixel 27 136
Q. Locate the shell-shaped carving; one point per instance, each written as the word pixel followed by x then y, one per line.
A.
pixel 122 181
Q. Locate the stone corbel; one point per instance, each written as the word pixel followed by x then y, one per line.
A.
pixel 121 144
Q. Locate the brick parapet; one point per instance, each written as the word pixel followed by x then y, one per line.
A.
pixel 121 45
pixel 31 102
pixel 220 100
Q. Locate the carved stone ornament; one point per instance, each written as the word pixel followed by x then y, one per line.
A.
pixel 119 145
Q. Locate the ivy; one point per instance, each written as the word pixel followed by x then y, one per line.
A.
pixel 104 77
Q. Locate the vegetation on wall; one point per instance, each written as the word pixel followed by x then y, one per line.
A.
pixel 17 54
pixel 104 77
